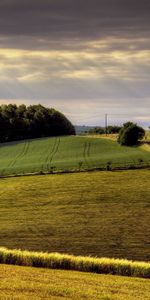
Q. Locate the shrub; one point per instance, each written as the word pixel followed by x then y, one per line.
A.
pixel 109 166
pixel 130 134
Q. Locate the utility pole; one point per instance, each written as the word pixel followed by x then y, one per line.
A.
pixel 106 123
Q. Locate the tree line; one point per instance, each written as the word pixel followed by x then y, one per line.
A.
pixel 34 121
pixel 102 130
pixel 129 133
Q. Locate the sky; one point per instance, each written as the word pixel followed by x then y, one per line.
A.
pixel 84 58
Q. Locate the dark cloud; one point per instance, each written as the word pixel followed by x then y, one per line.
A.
pixel 62 19
pixel 98 55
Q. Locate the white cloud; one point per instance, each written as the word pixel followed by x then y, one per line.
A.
pixel 104 75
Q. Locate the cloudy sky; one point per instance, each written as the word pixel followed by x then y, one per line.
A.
pixel 82 57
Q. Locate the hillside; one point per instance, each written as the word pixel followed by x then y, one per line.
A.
pixel 31 283
pixel 98 213
pixel 67 153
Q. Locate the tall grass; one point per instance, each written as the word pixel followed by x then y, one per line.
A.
pixel 78 263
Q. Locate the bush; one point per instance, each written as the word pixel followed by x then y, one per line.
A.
pixel 130 134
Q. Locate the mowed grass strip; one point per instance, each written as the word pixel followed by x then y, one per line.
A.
pixel 78 263
pixel 104 214
pixel 67 154
pixel 31 283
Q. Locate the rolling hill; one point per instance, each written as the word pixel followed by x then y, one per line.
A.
pixel 71 153
pixel 91 213
pixel 88 213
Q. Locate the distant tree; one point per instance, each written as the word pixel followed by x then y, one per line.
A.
pixel 21 122
pixel 101 130
pixel 97 130
pixel 113 129
pixel 130 134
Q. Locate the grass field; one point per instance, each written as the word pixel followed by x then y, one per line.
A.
pixel 67 153
pixel 99 213
pixel 31 283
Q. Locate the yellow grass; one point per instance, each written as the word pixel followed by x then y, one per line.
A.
pixel 78 263
pixel 109 136
pixel 27 283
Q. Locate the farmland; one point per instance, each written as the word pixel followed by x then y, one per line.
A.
pixel 99 213
pixel 102 214
pixel 61 154
pixel 31 283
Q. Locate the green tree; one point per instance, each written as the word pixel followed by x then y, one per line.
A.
pixel 34 121
pixel 113 129
pixel 130 134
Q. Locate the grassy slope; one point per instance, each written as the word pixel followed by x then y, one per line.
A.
pixel 30 283
pixel 65 153
pixel 100 213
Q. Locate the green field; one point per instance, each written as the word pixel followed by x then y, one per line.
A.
pixel 65 154
pixel 25 283
pixel 104 214
pixel 96 213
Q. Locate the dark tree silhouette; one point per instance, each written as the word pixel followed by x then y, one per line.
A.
pixel 130 134
pixel 21 122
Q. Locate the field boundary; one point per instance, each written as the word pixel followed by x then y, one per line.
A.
pixel 121 267
pixel 105 167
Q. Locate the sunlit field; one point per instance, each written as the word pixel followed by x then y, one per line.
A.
pixel 91 264
pixel 62 154
pixel 99 213
pixel 25 283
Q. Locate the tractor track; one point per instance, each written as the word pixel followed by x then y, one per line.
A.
pixel 51 154
pixel 22 153
pixel 86 153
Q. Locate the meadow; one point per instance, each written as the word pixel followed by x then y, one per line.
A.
pixel 25 283
pixel 88 213
pixel 62 154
